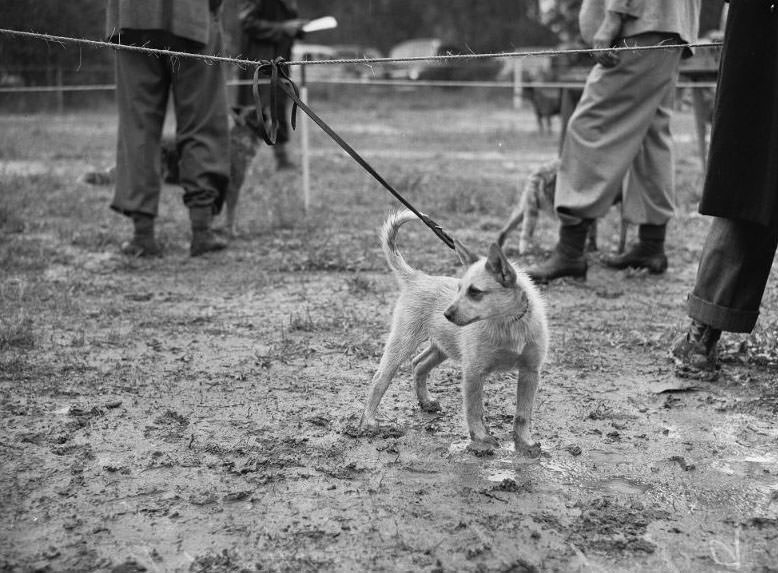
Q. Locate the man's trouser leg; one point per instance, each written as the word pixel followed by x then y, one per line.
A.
pixel 649 193
pixel 606 133
pixel 202 127
pixel 733 271
pixel 142 85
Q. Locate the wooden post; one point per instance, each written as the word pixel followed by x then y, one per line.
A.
pixel 517 83
pixel 60 96
pixel 305 143
pixel 700 120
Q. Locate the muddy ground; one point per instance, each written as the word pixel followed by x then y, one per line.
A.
pixel 198 414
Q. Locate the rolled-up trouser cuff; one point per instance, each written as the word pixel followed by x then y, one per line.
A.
pixel 721 317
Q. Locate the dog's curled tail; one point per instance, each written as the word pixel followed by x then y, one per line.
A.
pixel 389 243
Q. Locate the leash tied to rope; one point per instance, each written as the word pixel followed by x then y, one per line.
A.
pixel 281 82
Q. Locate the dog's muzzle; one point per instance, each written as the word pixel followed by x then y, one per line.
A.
pixel 451 316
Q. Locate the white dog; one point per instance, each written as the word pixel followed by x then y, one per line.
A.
pixel 491 319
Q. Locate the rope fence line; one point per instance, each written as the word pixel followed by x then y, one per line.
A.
pixel 366 61
pixel 347 81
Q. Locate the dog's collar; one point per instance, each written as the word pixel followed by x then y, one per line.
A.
pixel 518 317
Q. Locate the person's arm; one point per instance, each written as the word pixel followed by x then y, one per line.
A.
pixel 616 12
pixel 264 30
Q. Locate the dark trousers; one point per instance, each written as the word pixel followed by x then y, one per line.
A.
pixel 733 272
pixel 143 86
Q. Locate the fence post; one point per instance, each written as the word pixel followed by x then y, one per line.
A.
pixel 517 83
pixel 60 95
pixel 304 142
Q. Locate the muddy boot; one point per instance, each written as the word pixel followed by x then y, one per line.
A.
pixel 142 243
pixel 568 258
pixel 647 253
pixel 697 350
pixel 203 238
pixel 282 157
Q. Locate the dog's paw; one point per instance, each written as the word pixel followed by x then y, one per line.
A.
pixel 430 406
pixel 368 425
pixel 376 429
pixel 483 445
pixel 524 448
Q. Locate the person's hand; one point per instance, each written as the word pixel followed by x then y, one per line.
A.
pixel 606 34
pixel 294 28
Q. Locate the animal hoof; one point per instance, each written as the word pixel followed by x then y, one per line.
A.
pixel 430 406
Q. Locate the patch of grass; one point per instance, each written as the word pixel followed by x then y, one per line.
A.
pixel 95 240
pixel 17 334
pixel 359 285
pixel 23 255
pixel 301 322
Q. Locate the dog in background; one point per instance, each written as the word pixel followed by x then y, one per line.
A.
pixel 245 137
pixel 537 195
pixel 546 102
pixel 492 319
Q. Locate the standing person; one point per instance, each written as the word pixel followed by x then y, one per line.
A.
pixel 621 129
pixel 269 29
pixel 741 186
pixel 143 85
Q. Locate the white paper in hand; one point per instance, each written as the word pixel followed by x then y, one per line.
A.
pixel 325 23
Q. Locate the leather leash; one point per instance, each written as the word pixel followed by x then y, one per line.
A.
pixel 279 80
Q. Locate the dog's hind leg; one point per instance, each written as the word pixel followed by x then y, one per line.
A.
pixel 422 365
pixel 398 349
pixel 526 387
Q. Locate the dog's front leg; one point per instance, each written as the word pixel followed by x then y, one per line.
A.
pixel 526 387
pixel 472 389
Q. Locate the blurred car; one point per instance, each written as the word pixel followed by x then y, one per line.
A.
pixel 449 70
pixel 361 71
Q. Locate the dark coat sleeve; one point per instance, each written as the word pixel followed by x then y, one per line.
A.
pixel 256 24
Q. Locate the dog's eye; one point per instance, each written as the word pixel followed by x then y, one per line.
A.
pixel 475 293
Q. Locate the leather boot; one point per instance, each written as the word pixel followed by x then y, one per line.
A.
pixel 143 243
pixel 647 253
pixel 698 348
pixel 567 259
pixel 203 238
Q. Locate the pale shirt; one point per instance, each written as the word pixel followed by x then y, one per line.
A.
pixel 678 17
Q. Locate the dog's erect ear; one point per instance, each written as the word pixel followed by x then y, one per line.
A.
pixel 465 256
pixel 498 265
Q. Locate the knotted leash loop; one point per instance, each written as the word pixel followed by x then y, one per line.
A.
pixel 280 80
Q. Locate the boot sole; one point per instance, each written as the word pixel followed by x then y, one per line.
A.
pixel 547 279
pixel 653 268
